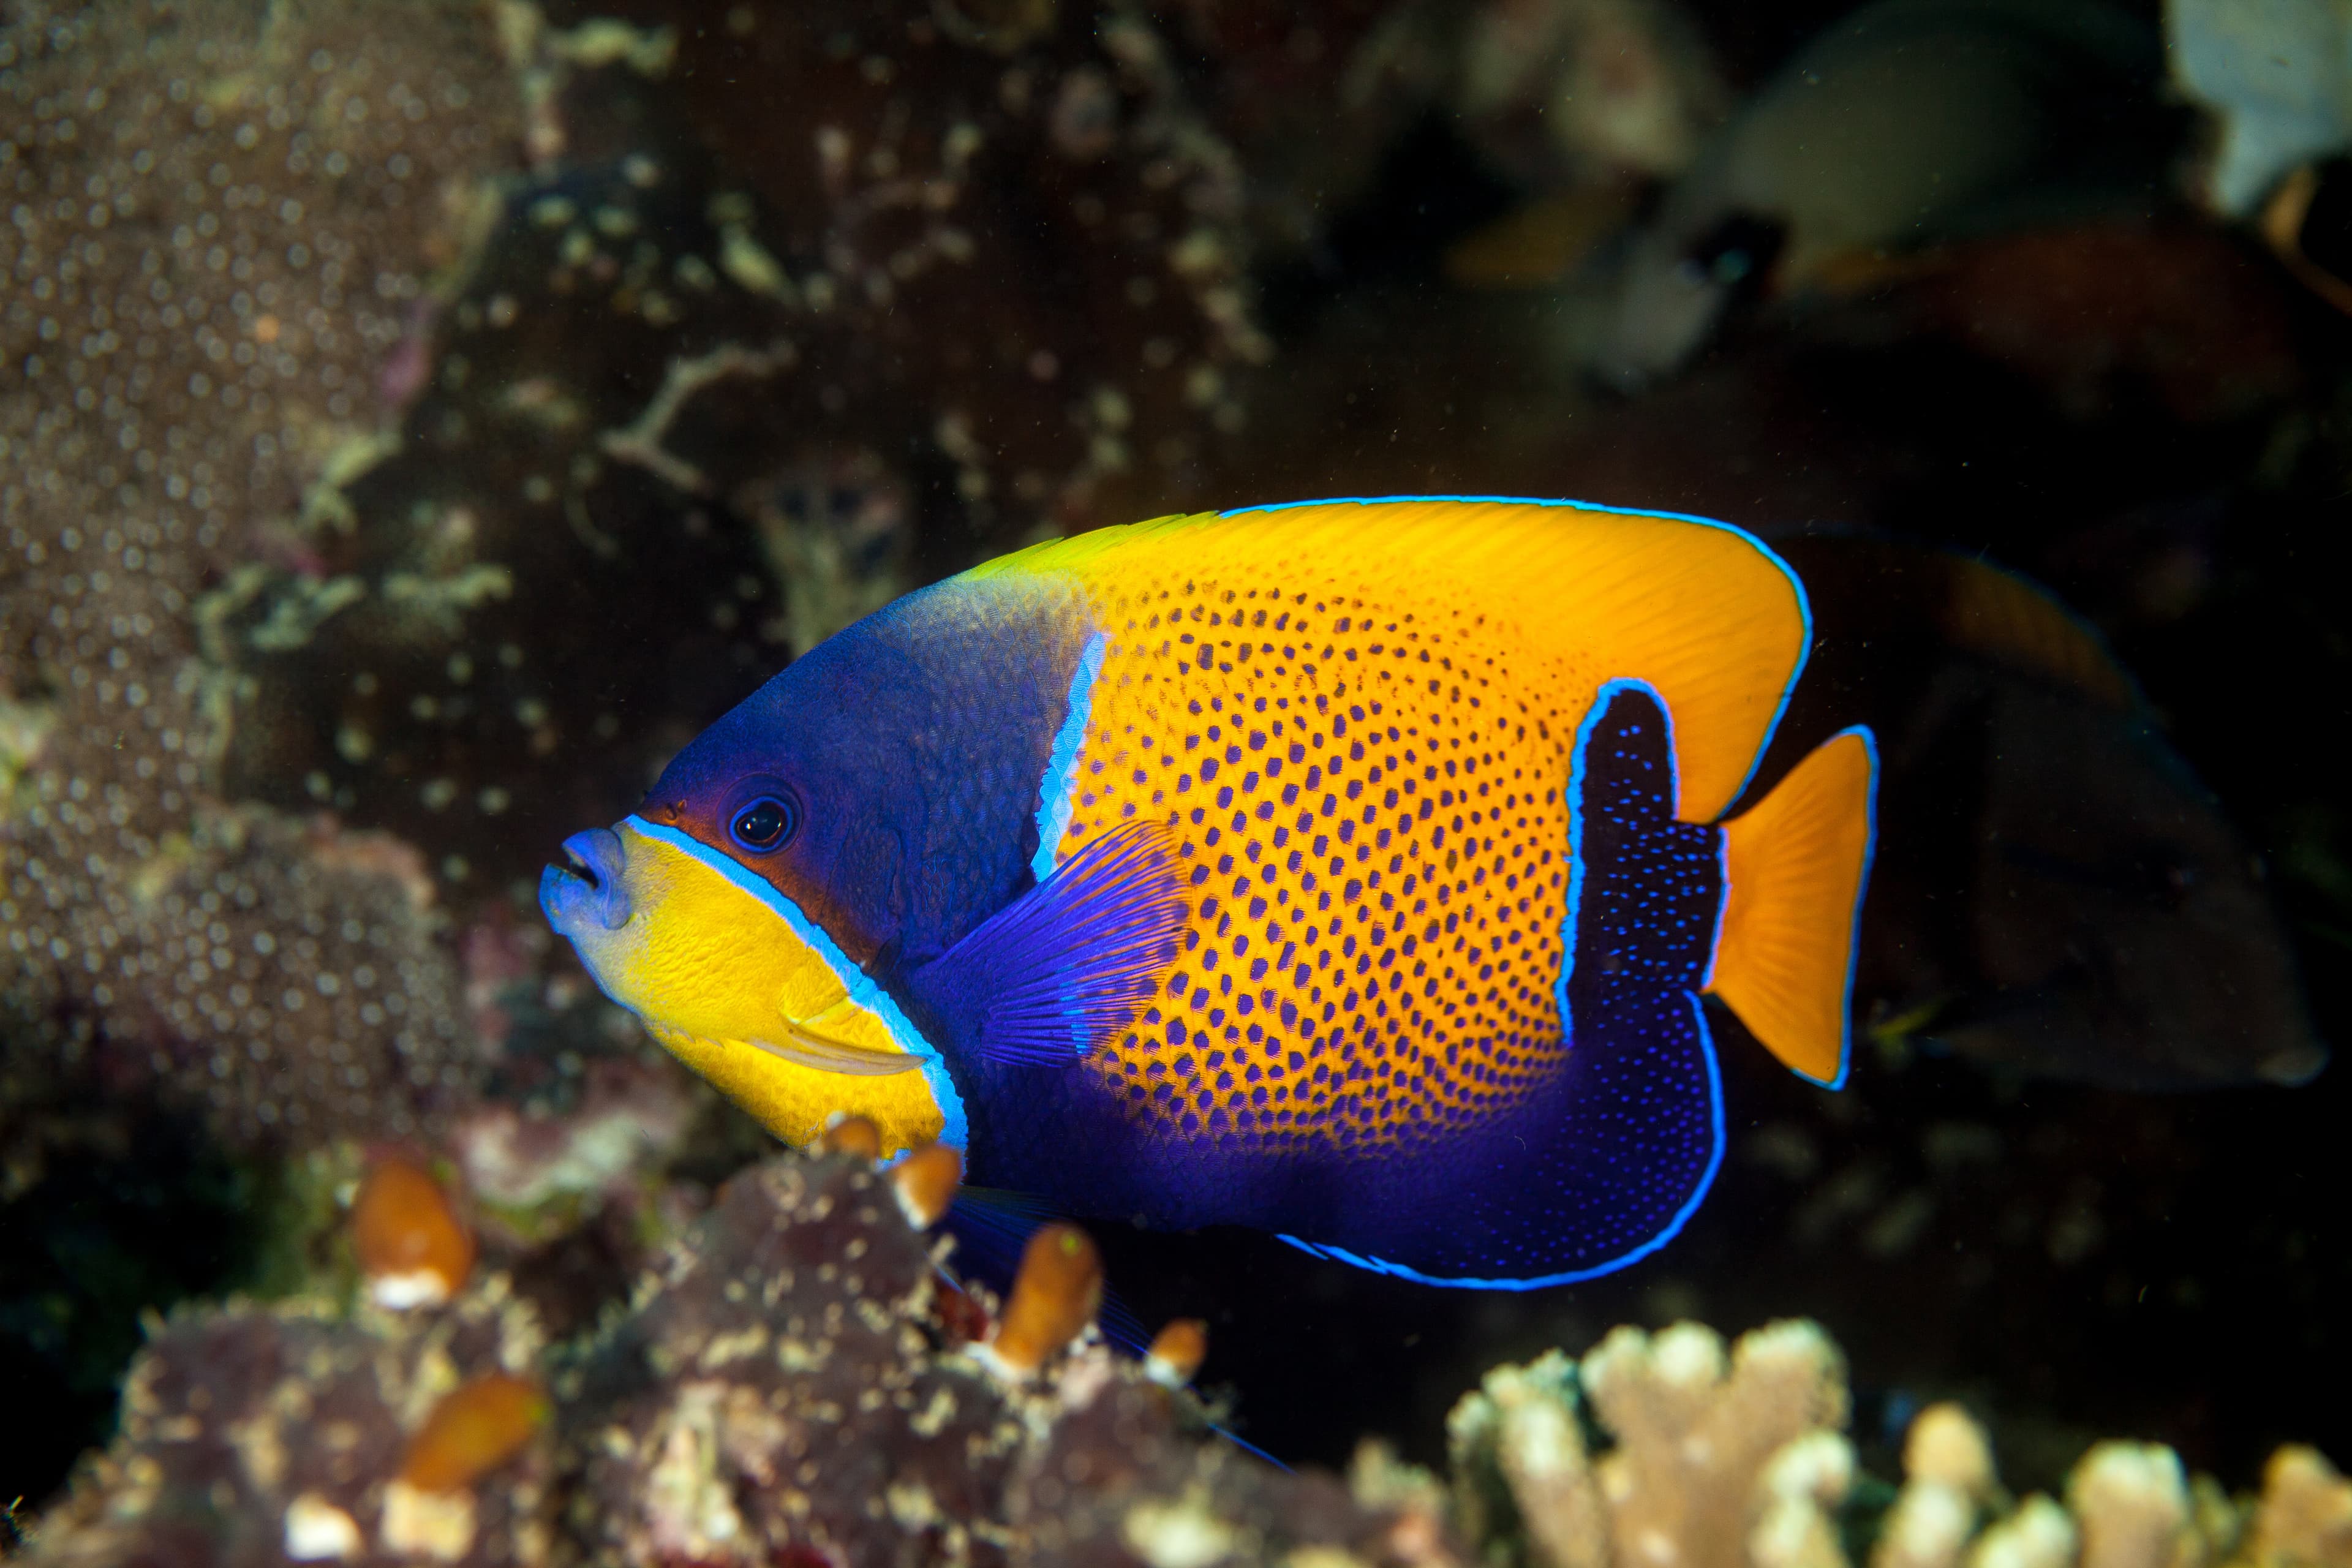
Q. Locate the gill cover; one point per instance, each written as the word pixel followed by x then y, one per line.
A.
pixel 746 990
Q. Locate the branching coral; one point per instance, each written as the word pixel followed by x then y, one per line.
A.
pixel 1654 1451
pixel 1708 1452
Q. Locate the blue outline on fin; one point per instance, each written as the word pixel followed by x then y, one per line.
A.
pixel 1796 584
pixel 1861 895
pixel 1723 908
pixel 1053 788
pixel 1602 697
pixel 954 1129
pixel 1672 1229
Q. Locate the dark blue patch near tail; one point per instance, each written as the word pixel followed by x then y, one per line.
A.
pixel 1610 1160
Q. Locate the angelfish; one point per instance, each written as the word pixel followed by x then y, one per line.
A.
pixel 1352 870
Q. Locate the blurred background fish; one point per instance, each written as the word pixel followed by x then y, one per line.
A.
pixel 1910 124
pixel 2057 894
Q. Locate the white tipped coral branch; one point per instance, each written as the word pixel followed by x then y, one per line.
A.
pixel 1696 1431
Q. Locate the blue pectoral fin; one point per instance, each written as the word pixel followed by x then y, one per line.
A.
pixel 1599 1171
pixel 1069 963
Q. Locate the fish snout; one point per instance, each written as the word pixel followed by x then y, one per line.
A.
pixel 590 887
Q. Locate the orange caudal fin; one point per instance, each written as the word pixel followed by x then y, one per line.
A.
pixel 1797 863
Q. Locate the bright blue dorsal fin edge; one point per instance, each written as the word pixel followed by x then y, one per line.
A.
pixel 1796 583
pixel 1055 789
pixel 1869 739
pixel 1575 797
pixel 1048 978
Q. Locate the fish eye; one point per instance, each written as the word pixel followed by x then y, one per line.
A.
pixel 765 823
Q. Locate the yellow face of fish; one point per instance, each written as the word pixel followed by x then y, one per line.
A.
pixel 743 988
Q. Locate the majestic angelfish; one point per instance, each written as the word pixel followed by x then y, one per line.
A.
pixel 1351 870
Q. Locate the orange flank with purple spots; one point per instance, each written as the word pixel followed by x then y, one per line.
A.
pixel 1373 832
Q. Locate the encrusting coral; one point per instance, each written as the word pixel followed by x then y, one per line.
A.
pixel 795 1383
pixel 222 220
pixel 1716 1461
pixel 256 1434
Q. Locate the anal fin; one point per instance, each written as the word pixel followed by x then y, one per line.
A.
pixel 1598 1171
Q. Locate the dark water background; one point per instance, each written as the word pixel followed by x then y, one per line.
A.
pixel 2151 414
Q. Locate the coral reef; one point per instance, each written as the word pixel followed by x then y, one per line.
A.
pixel 795 1382
pixel 265 1435
pixel 339 340
pixel 418 418
pixel 796 1379
pixel 772 1382
pixel 222 221
pixel 1712 1461
pixel 735 389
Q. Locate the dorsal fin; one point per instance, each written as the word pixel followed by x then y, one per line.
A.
pixel 1703 612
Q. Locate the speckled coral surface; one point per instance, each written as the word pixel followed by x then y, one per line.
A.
pixel 777 1388
pixel 263 1435
pixel 785 1390
pixel 219 219
pixel 784 1387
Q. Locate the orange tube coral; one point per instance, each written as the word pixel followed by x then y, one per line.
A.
pixel 926 1180
pixel 475 1429
pixel 855 1135
pixel 1054 1296
pixel 1177 1351
pixel 413 1247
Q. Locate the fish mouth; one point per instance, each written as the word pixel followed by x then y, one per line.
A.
pixel 574 864
pixel 590 887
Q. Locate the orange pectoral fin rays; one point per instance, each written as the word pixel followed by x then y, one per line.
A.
pixel 1797 864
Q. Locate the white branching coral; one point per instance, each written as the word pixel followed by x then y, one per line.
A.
pixel 1700 1438
pixel 2303 1518
pixel 1666 1451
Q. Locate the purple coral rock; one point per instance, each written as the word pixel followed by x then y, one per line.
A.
pixel 221 213
pixel 264 1436
pixel 777 1392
